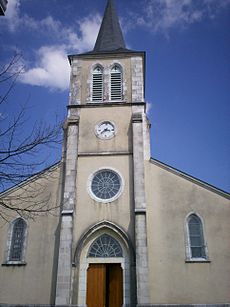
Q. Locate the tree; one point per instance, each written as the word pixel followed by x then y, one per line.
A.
pixel 22 153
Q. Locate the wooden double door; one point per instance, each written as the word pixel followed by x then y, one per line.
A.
pixel 104 285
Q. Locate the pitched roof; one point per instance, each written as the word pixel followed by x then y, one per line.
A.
pixel 110 37
pixel 44 172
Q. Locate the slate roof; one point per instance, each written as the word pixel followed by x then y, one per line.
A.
pixel 3 5
pixel 110 36
pixel 110 39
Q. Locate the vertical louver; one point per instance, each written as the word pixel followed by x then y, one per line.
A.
pixel 97 91
pixel 116 83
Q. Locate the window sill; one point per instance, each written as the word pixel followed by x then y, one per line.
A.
pixel 14 263
pixel 198 260
pixel 106 101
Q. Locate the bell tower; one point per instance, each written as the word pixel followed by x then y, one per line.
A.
pixel 105 149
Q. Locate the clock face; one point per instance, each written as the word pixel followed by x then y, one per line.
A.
pixel 105 130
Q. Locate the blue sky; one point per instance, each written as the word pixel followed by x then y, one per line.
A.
pixel 187 77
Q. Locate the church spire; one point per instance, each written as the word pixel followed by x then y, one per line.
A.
pixel 110 36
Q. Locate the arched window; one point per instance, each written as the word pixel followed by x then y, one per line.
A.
pixel 17 240
pixel 116 83
pixel 97 88
pixel 196 237
pixel 105 246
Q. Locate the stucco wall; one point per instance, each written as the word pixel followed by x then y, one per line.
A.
pixel 32 282
pixel 170 198
pixel 88 210
pixel 90 117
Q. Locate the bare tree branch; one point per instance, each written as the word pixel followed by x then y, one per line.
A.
pixel 23 152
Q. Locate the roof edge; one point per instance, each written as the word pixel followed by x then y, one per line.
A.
pixel 103 54
pixel 186 176
pixel 31 178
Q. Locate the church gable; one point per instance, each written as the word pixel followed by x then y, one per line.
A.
pixel 188 227
pixel 192 179
pixel 33 197
pixel 28 238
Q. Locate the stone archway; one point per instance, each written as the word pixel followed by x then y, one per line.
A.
pixel 117 265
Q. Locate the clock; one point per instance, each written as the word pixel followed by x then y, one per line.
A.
pixel 105 130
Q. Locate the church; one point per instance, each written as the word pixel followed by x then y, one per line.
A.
pixel 128 230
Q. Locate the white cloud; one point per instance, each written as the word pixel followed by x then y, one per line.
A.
pixel 80 37
pixel 52 69
pixel 163 15
pixel 12 14
pixel 148 107
pixel 2 116
pixel 89 28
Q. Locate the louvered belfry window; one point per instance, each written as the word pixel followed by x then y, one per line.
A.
pixel 196 237
pixel 17 240
pixel 116 83
pixel 97 91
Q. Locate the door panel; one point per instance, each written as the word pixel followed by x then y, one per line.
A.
pixel 96 282
pixel 104 285
pixel 115 285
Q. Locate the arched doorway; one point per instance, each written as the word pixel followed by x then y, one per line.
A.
pixel 104 280
pixel 103 270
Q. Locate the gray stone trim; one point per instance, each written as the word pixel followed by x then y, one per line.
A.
pixel 75 83
pixel 186 176
pixel 97 227
pixel 103 55
pixel 14 263
pixel 139 305
pixel 67 212
pixel 146 137
pixel 63 285
pixel 142 270
pixel 106 104
pixel 138 162
pixel 181 305
pixel 137 78
pixel 72 120
pixel 70 149
pixel 140 211
pixel 137 118
pixel 198 261
pixel 111 153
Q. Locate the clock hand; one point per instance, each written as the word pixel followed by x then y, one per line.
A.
pixel 106 129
